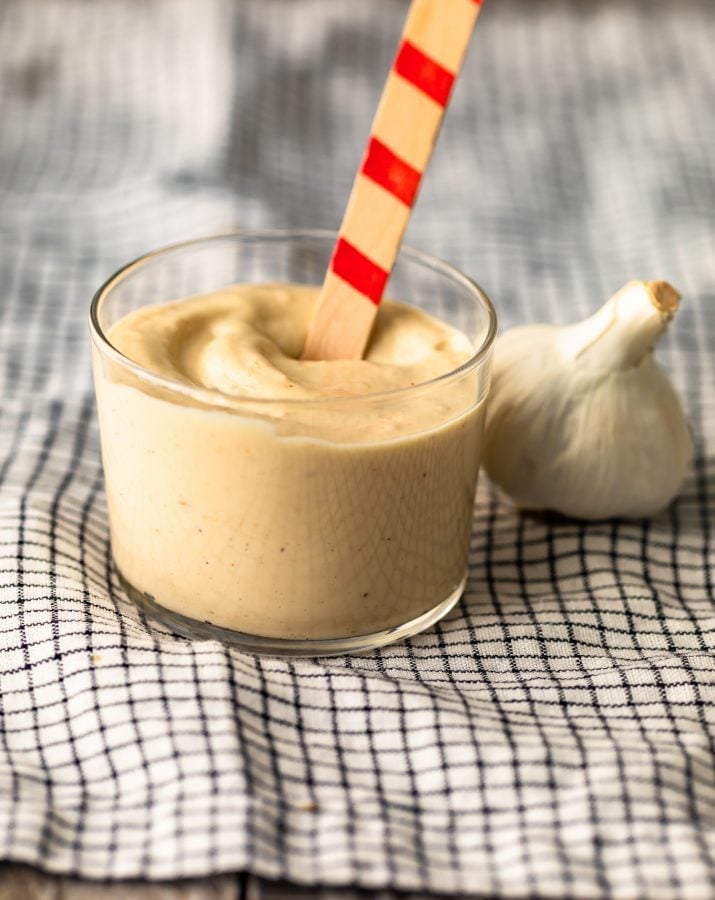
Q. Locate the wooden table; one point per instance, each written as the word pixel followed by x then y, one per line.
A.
pixel 18 882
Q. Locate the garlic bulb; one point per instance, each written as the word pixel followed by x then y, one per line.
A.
pixel 581 420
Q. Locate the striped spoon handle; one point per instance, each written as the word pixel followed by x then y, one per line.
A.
pixel 403 134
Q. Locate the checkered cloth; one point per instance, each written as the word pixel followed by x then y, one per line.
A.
pixel 555 735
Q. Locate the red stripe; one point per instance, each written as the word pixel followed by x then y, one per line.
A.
pixel 427 75
pixel 360 272
pixel 390 172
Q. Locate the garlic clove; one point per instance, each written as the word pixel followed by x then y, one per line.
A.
pixel 581 420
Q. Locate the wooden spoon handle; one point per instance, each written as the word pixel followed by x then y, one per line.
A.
pixel 403 134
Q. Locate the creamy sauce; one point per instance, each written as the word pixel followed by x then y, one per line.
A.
pixel 343 514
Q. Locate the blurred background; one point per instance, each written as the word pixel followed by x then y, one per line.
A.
pixel 577 152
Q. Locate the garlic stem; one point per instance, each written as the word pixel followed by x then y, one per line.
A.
pixel 625 330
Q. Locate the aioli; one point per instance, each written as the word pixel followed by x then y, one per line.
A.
pixel 342 514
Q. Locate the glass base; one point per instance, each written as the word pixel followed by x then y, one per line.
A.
pixel 270 646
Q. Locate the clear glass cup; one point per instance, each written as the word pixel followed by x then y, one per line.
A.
pixel 285 526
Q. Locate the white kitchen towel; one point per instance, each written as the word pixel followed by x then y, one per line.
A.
pixel 555 735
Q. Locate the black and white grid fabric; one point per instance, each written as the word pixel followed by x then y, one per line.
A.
pixel 555 735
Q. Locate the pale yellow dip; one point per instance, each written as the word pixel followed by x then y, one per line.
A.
pixel 323 507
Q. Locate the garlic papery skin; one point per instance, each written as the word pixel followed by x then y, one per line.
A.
pixel 580 418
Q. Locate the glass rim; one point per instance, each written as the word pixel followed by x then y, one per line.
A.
pixel 217 398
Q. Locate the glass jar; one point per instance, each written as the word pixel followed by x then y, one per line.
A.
pixel 259 522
